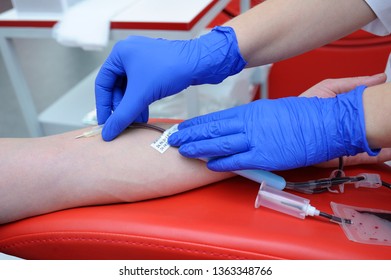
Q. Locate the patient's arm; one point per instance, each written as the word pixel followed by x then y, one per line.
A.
pixel 41 175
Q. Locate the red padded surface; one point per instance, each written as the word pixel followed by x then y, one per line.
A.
pixel 218 221
pixel 358 54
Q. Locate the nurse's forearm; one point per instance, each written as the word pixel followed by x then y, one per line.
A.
pixel 278 29
pixel 42 175
pixel 377 104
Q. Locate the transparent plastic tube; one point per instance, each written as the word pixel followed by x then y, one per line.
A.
pixel 291 204
pixel 284 202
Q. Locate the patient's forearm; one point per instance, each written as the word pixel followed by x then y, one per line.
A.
pixel 42 175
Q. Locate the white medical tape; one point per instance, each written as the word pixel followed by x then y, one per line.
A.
pixel 161 144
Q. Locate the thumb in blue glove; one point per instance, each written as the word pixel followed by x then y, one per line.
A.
pixel 279 134
pixel 141 70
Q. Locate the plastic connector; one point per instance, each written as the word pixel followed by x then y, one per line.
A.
pixel 337 173
pixel 260 176
pixel 370 181
pixel 284 202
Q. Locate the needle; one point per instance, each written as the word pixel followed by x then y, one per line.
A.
pixel 94 131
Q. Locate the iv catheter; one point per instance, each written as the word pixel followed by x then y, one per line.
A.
pixel 98 129
pixel 92 132
pixel 291 204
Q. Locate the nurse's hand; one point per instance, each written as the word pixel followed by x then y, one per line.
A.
pixel 277 134
pixel 141 70
pixel 332 87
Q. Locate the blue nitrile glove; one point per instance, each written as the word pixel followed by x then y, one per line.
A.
pixel 277 134
pixel 141 70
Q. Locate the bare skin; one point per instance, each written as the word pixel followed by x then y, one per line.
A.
pixel 47 174
pixel 305 25
pixel 377 115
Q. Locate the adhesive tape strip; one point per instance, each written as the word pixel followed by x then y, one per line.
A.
pixel 161 144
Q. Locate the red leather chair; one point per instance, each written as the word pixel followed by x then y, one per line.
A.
pixel 217 221
pixel 358 54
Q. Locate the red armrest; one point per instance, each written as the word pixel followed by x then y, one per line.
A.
pixel 217 221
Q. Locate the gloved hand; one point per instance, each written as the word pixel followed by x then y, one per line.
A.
pixel 141 70
pixel 277 134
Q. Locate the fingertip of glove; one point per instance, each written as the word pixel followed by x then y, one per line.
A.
pixel 223 164
pixel 213 166
pixel 108 134
pixel 182 125
pixel 173 140
pixel 183 151
pixel 107 137
pixel 187 151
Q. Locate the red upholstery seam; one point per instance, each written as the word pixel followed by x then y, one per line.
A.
pixel 86 239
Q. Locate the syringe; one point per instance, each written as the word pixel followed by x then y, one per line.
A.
pixel 290 204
